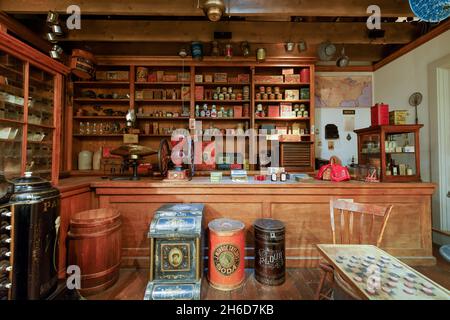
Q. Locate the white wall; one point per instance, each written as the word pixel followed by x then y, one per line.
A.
pixel 396 81
pixel 343 148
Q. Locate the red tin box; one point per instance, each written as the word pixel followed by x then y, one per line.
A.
pixel 305 75
pixel 380 114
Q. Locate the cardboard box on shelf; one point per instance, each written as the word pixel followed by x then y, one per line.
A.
pixel 220 77
pixel 152 77
pixel 159 76
pixel 268 79
pixel 184 76
pixel 185 93
pixel 237 111
pixel 117 75
pixel 208 78
pixel 274 111
pixel 292 78
pixel 287 71
pixel 285 110
pixel 199 92
pixel 243 78
pixel 198 78
pixel 170 78
pixel 291 94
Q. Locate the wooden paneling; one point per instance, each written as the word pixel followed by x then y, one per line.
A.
pixel 268 8
pixel 303 207
pixel 264 32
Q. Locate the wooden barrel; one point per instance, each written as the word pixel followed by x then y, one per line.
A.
pixel 95 242
pixel 270 260
pixel 226 269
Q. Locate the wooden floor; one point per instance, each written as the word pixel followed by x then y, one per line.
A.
pixel 301 284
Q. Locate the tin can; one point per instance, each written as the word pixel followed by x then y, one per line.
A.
pixel 226 254
pixel 228 51
pixel 141 74
pixel 258 96
pixel 197 50
pixel 260 54
pixel 272 96
pixel 270 260
pixel 262 89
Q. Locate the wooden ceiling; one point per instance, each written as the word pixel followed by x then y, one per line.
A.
pixel 161 27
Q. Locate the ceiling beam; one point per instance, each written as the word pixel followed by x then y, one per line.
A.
pixel 263 32
pixel 324 8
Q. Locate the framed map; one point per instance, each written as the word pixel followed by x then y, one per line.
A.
pixel 343 91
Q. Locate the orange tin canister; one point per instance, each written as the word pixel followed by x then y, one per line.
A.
pixel 226 254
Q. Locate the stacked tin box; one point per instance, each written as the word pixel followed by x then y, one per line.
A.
pixel 176 253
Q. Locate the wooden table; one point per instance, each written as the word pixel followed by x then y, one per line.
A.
pixel 376 275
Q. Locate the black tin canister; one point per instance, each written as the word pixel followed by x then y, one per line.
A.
pixel 270 260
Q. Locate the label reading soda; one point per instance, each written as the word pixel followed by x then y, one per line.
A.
pixel 226 259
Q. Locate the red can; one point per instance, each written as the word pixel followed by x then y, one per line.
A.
pixel 226 254
pixel 305 75
pixel 380 114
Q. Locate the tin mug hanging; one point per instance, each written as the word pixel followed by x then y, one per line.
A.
pixel 261 54
pixel 197 50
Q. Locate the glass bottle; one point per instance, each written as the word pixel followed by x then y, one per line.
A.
pixel 87 128
pixel 82 128
pixel 197 110
pixel 213 111
pixel 94 128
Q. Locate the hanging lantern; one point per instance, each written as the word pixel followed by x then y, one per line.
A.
pixel 214 9
pixel 245 48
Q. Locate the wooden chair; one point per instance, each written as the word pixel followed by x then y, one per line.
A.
pixel 345 230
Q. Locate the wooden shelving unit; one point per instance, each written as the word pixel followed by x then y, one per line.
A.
pixel 150 107
pixel 31 93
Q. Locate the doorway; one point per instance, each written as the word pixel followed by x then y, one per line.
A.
pixel 439 106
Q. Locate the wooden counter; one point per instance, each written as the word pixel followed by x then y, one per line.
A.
pixel 302 206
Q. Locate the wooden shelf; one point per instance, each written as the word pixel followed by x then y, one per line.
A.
pixel 12 121
pixel 215 84
pixel 99 118
pixel 281 119
pixel 87 100
pixel 40 142
pixel 98 135
pixel 222 101
pixel 162 83
pixel 282 84
pixel 40 126
pixel 154 135
pixel 288 101
pixel 163 100
pixel 162 118
pixel 222 118
pixel 11 140
pixel 101 83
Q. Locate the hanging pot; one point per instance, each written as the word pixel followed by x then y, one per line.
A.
pixel 343 60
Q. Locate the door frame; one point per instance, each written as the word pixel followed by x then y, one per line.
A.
pixel 439 111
